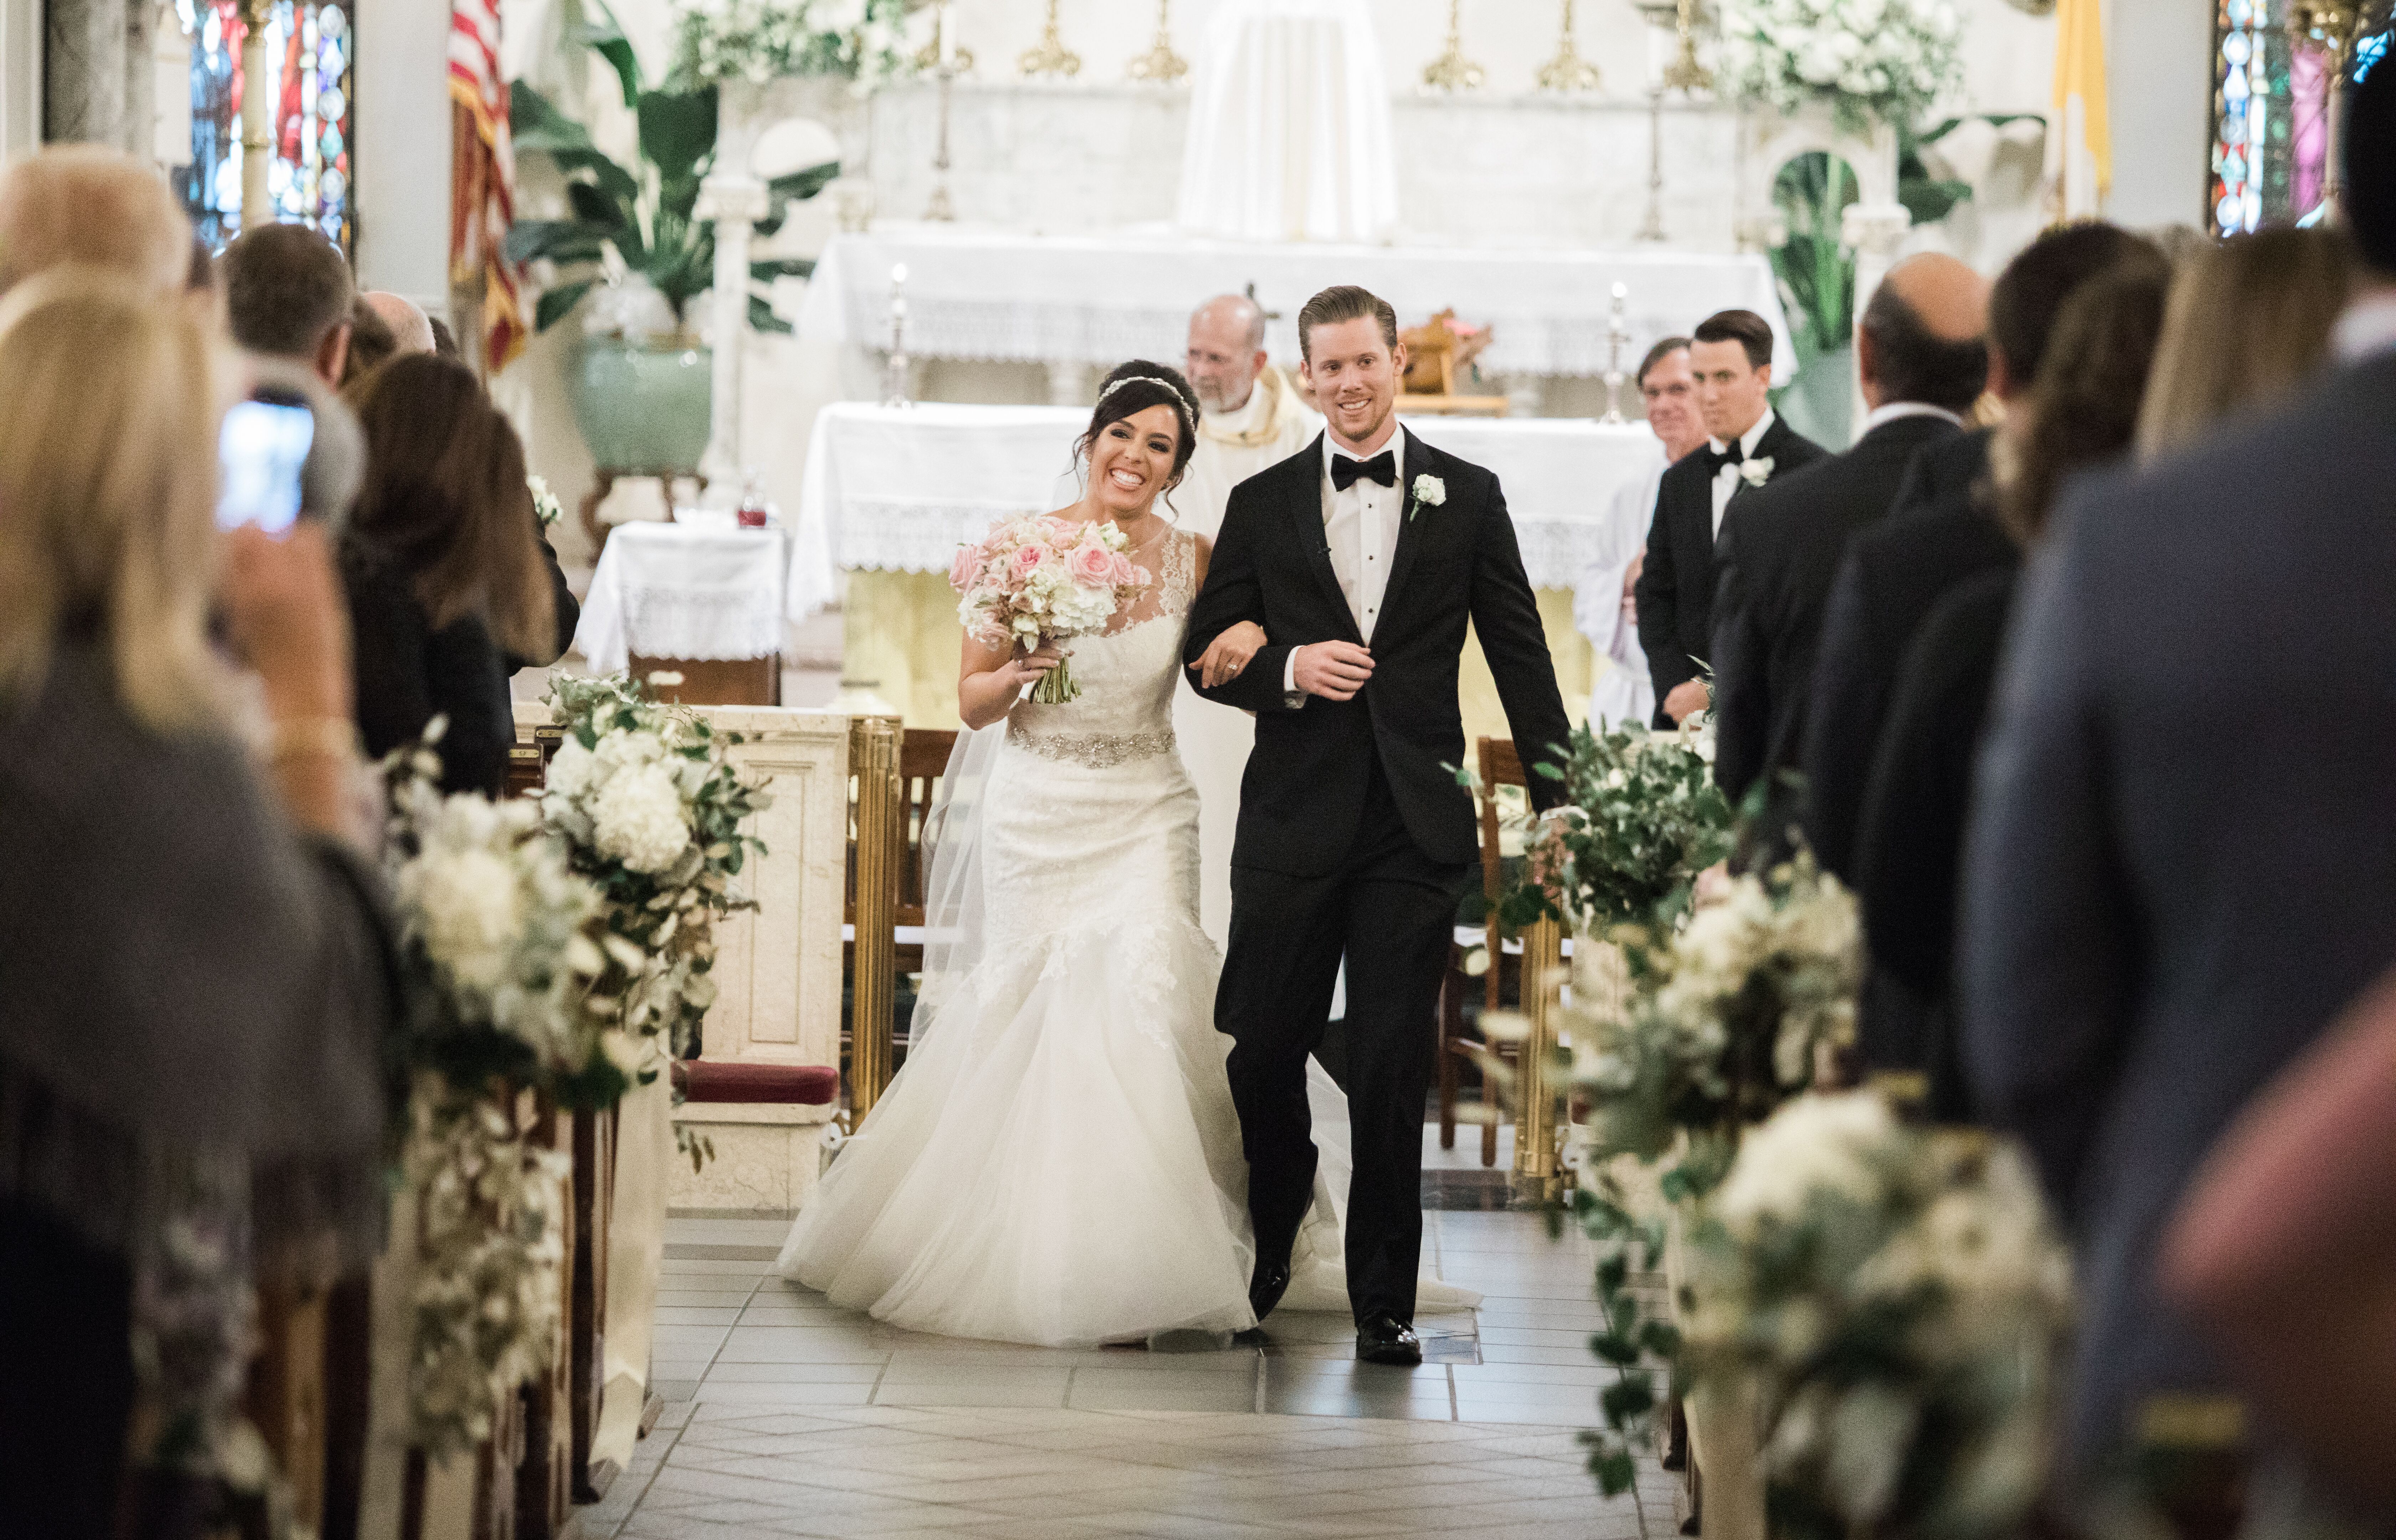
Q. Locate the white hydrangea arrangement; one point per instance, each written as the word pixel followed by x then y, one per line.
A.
pixel 649 806
pixel 1901 1298
pixel 1868 61
pixel 757 40
pixel 498 960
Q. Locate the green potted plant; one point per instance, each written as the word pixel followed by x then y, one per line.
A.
pixel 634 254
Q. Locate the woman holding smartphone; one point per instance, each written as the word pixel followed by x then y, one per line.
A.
pixel 448 582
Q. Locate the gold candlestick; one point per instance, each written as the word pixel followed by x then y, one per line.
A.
pixel 1451 71
pixel 943 49
pixel 1051 58
pixel 1568 71
pixel 1685 73
pixel 1160 65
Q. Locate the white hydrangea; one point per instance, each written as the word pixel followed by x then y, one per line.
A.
pixel 472 912
pixel 1814 1143
pixel 638 818
pixel 571 770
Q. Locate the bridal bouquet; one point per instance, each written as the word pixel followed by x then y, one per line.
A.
pixel 1900 1298
pixel 647 801
pixel 1038 578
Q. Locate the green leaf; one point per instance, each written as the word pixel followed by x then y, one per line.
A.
pixel 782 266
pixel 678 138
pixel 1615 1349
pixel 594 206
pixel 1627 1399
pixel 555 305
pixel 607 37
pixel 1614 1471
pixel 559 240
pixel 762 317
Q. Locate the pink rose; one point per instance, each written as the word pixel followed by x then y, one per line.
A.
pixel 1128 576
pixel 963 571
pixel 1093 567
pixel 1027 560
pixel 1061 534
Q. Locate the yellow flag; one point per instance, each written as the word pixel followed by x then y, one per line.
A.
pixel 2081 139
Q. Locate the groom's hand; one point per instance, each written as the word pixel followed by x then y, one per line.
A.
pixel 1334 671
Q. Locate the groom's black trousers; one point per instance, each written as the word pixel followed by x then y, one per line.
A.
pixel 1391 911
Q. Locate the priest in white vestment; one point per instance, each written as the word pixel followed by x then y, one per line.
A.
pixel 1251 417
pixel 1623 694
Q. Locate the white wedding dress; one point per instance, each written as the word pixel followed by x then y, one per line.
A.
pixel 1059 1163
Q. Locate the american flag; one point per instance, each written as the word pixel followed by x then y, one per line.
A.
pixel 483 180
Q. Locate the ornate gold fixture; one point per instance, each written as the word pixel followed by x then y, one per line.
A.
pixel 1568 71
pixel 1685 73
pixel 1051 58
pixel 1451 71
pixel 1160 65
pixel 960 61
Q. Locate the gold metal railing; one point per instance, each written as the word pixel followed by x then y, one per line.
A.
pixel 881 846
pixel 1537 1174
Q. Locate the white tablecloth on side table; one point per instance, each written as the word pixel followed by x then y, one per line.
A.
pixel 685 590
pixel 897 489
pixel 1099 299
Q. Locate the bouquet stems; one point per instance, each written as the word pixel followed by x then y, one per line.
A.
pixel 1056 686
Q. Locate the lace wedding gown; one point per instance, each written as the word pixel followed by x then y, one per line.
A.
pixel 1059 1161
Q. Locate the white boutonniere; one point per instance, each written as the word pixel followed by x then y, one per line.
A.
pixel 544 502
pixel 1755 473
pixel 1429 492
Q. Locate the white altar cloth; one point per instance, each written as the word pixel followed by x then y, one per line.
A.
pixel 1099 299
pixel 897 489
pixel 704 591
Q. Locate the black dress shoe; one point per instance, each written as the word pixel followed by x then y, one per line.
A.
pixel 1267 1284
pixel 1383 1338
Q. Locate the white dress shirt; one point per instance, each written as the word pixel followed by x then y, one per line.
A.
pixel 1897 409
pixel 1726 480
pixel 1361 526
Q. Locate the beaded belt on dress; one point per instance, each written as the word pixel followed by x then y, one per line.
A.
pixel 1099 751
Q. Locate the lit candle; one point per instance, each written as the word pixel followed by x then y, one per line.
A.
pixel 899 275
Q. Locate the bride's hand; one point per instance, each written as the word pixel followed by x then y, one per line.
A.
pixel 1231 654
pixel 1024 668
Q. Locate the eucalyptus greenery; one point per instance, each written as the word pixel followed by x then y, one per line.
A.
pixel 645 215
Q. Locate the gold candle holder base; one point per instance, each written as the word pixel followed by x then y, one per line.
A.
pixel 1451 71
pixel 1568 71
pixel 1050 57
pixel 1160 65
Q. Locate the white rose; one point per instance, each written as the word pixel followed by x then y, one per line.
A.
pixel 1813 1144
pixel 638 819
pixel 471 913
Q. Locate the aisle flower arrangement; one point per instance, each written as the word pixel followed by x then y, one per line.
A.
pixel 1901 1299
pixel 757 40
pixel 498 955
pixel 1041 578
pixel 1868 61
pixel 1644 818
pixel 648 805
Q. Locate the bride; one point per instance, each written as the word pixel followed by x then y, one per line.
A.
pixel 1059 1163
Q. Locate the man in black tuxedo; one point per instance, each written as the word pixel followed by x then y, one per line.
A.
pixel 1748 445
pixel 2182 861
pixel 1924 361
pixel 1362 558
pixel 1940 531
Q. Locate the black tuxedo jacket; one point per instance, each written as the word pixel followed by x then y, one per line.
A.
pixel 1781 549
pixel 1304 791
pixel 1936 536
pixel 1675 591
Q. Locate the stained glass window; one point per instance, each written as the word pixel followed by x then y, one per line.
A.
pixel 2270 116
pixel 308 46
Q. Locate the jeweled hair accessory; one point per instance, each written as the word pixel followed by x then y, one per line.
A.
pixel 1182 403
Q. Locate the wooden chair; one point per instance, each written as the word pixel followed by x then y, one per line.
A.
pixel 1500 766
pixel 922 759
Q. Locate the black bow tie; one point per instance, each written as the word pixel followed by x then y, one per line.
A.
pixel 1731 455
pixel 1382 468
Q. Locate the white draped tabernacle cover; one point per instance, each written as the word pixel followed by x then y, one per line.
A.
pixel 1099 299
pixel 897 489
pixel 685 590
pixel 1290 127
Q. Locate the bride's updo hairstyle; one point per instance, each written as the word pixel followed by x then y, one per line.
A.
pixel 1132 389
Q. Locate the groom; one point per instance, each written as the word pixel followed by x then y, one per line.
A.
pixel 1362 557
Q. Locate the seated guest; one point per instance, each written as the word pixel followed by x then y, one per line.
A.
pixel 1941 529
pixel 2182 861
pixel 194 974
pixel 444 567
pixel 81 203
pixel 2081 412
pixel 1605 605
pixel 1730 354
pixel 1924 361
pixel 288 295
pixel 2283 1256
pixel 2250 323
pixel 411 329
pixel 372 342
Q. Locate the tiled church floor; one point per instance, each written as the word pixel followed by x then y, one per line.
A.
pixel 788 1418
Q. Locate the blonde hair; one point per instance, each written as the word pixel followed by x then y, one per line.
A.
pixel 107 490
pixel 2248 322
pixel 80 205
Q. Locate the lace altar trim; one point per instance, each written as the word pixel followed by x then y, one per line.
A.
pixel 1096 750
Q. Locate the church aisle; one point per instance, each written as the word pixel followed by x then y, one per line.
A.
pixel 788 1418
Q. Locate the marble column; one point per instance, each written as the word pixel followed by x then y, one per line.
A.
pixel 95 79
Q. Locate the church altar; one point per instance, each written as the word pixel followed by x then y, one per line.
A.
pixel 1093 300
pixel 708 589
pixel 895 490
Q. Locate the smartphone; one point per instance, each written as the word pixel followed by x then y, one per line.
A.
pixel 261 451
